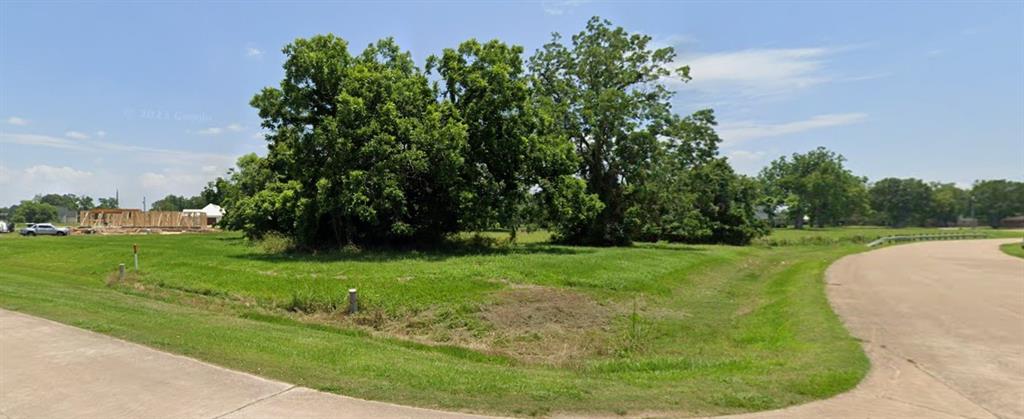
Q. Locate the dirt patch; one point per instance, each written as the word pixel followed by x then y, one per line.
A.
pixel 531 324
pixel 547 325
pixel 537 309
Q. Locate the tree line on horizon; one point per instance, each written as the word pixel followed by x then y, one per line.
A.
pixel 815 188
pixel 797 190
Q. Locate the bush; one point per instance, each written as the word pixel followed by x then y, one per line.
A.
pixel 34 212
pixel 275 243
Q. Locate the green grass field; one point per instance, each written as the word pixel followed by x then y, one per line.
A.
pixel 1013 249
pixel 529 329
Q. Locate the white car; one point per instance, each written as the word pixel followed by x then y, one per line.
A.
pixel 45 229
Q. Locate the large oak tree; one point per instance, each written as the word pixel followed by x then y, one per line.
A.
pixel 360 148
pixel 605 89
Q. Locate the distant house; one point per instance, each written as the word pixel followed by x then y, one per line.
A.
pixel 966 222
pixel 213 213
pixel 778 218
pixel 1012 222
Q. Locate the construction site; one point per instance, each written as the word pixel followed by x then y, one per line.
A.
pixel 136 221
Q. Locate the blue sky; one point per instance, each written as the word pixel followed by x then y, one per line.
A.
pixel 151 99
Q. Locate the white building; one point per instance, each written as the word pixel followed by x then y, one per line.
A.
pixel 213 213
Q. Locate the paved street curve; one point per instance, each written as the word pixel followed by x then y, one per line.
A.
pixel 943 324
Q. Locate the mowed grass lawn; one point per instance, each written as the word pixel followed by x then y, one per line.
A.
pixel 530 329
pixel 1013 249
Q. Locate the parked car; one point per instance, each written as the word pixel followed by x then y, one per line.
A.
pixel 45 230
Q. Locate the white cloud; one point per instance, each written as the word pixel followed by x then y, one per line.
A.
pixel 757 72
pixel 5 175
pixel 39 140
pixel 76 135
pixel 17 121
pixel 747 162
pixel 178 182
pixel 745 156
pixel 26 183
pixel 105 149
pixel 153 180
pixel 101 134
pixel 253 52
pixel 235 127
pixel 559 7
pixel 673 40
pixel 139 172
pixel 736 132
pixel 53 173
pixel 741 75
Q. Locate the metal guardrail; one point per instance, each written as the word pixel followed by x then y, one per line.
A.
pixel 926 237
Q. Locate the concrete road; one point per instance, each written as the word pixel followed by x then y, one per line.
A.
pixel 50 370
pixel 943 324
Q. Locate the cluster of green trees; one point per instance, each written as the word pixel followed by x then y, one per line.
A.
pixel 177 203
pixel 50 207
pixel 817 187
pixel 902 202
pixel 579 138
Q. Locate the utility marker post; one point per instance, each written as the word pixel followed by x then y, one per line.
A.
pixel 135 251
pixel 353 301
pixel 120 272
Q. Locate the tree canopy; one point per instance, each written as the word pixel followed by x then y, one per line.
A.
pixel 110 202
pixel 33 211
pixel 604 91
pixel 948 203
pixel 178 203
pixel 69 202
pixel 509 148
pixel 993 200
pixel 359 148
pixel 581 138
pixel 901 202
pixel 815 184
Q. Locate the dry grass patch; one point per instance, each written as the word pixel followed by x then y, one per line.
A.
pixel 548 325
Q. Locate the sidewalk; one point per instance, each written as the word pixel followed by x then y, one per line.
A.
pixel 51 370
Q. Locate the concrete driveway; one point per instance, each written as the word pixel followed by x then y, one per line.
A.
pixel 943 324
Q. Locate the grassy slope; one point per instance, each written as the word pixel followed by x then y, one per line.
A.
pixel 1013 249
pixel 719 329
